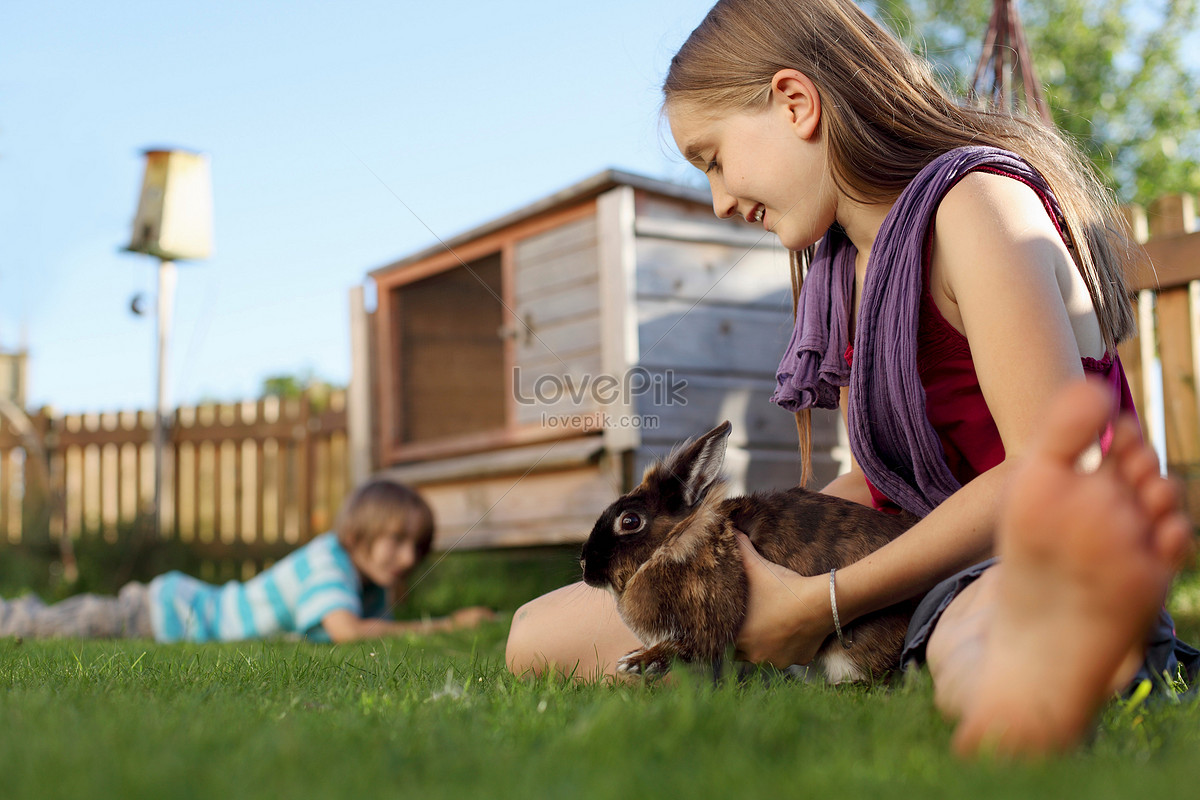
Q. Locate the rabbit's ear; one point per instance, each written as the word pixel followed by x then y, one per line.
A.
pixel 697 466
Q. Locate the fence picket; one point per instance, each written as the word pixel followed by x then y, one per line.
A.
pixel 243 483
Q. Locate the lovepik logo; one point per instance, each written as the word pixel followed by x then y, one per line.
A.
pixel 663 388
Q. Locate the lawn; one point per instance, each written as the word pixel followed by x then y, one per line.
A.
pixel 438 716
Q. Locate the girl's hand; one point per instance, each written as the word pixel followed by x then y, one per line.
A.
pixel 471 617
pixel 788 615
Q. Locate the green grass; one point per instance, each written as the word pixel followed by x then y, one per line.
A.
pixel 438 716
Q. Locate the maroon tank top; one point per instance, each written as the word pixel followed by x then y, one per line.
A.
pixel 954 401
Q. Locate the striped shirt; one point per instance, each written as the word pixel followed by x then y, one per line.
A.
pixel 291 597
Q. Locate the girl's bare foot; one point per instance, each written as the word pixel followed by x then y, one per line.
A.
pixel 1085 564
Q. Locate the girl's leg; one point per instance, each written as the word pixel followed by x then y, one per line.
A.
pixel 1028 657
pixel 16 616
pixel 574 630
pixel 956 649
pixel 84 616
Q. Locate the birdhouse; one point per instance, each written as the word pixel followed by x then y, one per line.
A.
pixel 174 214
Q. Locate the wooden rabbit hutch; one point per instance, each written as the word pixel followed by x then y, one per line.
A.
pixel 527 371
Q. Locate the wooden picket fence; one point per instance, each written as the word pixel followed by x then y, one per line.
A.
pixel 1164 360
pixel 244 482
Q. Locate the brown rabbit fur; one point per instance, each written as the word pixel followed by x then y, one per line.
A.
pixel 667 552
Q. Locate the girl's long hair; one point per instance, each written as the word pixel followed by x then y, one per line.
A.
pixel 885 117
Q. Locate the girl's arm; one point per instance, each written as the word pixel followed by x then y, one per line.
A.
pixel 346 626
pixel 1002 276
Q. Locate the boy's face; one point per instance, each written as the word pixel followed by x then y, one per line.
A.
pixel 385 559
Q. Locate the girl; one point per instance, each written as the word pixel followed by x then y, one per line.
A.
pixel 969 268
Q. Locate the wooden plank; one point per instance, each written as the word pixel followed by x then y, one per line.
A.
pixel 525 375
pixel 559 305
pixel 185 509
pixel 127 484
pixel 205 512
pixel 323 507
pixel 339 470
pixel 713 231
pixel 1172 254
pixel 536 278
pixel 304 460
pixel 1176 348
pixel 572 386
pixel 717 273
pixel 221 532
pixel 91 489
pixel 110 496
pixel 616 214
pixel 7 474
pixel 572 237
pixel 568 454
pixel 200 527
pixel 15 464
pixel 557 506
pixel 73 487
pixel 358 400
pixel 238 511
pixel 261 514
pixel 651 205
pixel 561 340
pixel 1167 262
pixel 715 340
pixel 708 400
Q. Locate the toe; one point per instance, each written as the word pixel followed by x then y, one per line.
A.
pixel 1073 422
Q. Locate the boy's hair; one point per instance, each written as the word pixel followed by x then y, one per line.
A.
pixel 884 117
pixel 380 507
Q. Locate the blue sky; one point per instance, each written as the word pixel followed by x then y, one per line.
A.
pixel 465 110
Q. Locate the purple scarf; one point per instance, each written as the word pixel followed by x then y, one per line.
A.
pixel 890 435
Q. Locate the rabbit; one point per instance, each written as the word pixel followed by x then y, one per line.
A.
pixel 666 551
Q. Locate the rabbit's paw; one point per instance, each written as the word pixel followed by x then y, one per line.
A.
pixel 647 661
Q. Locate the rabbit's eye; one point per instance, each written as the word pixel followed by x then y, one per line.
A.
pixel 629 523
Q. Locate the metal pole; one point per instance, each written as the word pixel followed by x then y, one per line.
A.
pixel 166 298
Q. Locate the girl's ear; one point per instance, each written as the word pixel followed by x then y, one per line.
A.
pixel 794 94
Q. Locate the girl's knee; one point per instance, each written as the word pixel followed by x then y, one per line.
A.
pixel 521 653
pixel 575 629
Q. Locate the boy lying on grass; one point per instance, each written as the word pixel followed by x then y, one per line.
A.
pixel 338 587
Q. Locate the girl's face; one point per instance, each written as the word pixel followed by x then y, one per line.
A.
pixel 385 559
pixel 760 167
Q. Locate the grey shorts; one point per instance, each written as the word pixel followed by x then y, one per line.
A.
pixel 1166 655
pixel 84 616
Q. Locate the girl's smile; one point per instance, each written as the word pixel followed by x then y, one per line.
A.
pixel 766 166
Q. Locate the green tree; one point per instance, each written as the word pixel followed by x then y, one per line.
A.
pixel 288 386
pixel 1115 74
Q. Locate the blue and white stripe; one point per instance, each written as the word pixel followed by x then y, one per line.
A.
pixel 293 596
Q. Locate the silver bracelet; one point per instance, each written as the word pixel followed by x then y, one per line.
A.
pixel 837 625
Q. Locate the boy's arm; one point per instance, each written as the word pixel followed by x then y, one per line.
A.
pixel 346 626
